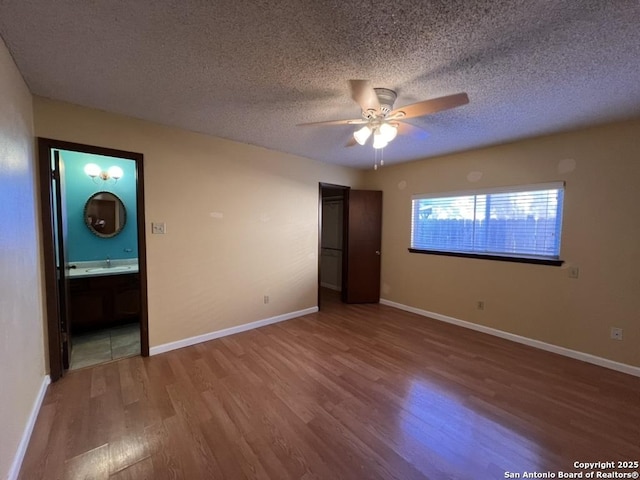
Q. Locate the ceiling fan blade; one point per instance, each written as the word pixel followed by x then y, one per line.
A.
pixel 351 143
pixel 412 131
pixel 434 105
pixel 355 121
pixel 364 95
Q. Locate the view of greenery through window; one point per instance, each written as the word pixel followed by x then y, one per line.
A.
pixel 514 223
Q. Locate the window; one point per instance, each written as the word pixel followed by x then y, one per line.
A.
pixel 512 223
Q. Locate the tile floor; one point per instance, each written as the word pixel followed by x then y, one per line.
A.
pixel 105 345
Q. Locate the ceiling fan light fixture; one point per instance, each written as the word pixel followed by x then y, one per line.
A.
pixel 379 140
pixel 379 118
pixel 388 131
pixel 362 135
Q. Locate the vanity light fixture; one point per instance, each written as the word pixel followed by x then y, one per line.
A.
pixel 95 172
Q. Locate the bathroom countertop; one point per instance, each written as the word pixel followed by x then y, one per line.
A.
pixel 100 268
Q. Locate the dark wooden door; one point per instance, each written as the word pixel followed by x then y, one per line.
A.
pixel 363 227
pixel 53 256
pixel 62 262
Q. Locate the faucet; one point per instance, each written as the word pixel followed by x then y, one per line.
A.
pixel 108 262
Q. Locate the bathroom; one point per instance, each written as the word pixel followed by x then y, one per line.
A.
pixel 99 232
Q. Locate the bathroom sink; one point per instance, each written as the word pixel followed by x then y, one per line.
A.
pixel 100 269
pixel 122 268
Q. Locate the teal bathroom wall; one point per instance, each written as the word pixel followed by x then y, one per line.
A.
pixel 82 245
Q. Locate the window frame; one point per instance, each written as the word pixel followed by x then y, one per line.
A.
pixel 507 256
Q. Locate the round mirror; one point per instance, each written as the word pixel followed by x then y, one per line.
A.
pixel 104 214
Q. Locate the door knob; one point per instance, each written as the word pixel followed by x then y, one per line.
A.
pixel 377 252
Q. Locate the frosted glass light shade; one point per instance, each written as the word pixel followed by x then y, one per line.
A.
pixel 92 170
pixel 388 131
pixel 115 172
pixel 378 140
pixel 362 134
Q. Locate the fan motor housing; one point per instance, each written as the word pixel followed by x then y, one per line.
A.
pixel 386 98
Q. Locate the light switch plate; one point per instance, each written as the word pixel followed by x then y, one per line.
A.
pixel 160 228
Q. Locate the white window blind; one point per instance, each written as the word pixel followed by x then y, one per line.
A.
pixel 524 221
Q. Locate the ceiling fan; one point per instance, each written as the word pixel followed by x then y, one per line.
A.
pixel 380 121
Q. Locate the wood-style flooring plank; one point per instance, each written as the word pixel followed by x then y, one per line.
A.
pixel 351 392
pixel 142 470
pixel 92 464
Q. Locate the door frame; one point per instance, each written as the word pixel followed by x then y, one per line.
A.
pixel 52 293
pixel 345 198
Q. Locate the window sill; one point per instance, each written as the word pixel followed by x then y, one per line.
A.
pixel 501 258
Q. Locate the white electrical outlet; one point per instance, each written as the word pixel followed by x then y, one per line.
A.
pixel 616 333
pixel 159 228
pixel 266 299
pixel 480 304
pixel 574 272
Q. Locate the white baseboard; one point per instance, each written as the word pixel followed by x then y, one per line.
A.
pixel 14 471
pixel 167 347
pixel 330 286
pixel 585 357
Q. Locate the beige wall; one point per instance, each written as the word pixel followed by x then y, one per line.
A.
pixel 601 236
pixel 21 313
pixel 242 221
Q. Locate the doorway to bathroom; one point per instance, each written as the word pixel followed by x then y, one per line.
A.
pixel 92 206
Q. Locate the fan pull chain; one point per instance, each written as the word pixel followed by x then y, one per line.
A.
pixel 375 157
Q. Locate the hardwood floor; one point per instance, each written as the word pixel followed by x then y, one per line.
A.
pixel 353 392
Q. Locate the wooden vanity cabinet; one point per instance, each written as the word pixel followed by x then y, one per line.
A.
pixel 103 301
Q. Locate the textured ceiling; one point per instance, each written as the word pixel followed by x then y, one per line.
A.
pixel 250 70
